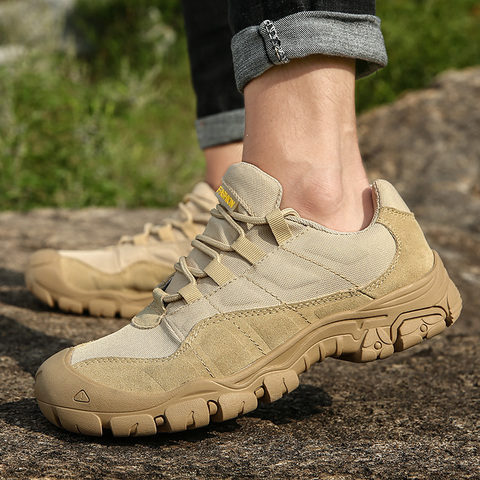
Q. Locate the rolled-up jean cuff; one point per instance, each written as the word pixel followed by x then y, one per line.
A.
pixel 256 49
pixel 221 128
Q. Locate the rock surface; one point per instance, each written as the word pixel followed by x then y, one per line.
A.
pixel 428 143
pixel 412 416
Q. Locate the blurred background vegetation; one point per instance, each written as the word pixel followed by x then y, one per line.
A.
pixel 107 119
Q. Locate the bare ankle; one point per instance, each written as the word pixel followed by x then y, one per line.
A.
pixel 344 204
pixel 218 159
pixel 301 129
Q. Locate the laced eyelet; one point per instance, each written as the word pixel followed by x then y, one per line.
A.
pixel 211 247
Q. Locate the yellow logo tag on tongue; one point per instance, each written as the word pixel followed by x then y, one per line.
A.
pixel 225 199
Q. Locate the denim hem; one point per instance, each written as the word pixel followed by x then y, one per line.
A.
pixel 256 49
pixel 221 128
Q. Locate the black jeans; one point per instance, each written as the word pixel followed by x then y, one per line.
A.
pixel 261 34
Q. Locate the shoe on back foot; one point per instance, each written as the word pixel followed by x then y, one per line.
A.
pixel 119 279
pixel 263 295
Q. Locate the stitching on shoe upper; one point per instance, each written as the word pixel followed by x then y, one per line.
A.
pixel 242 199
pixel 248 336
pixel 323 266
pixel 187 343
pixel 398 242
pixel 265 290
pixel 208 299
pixel 282 303
pixel 243 275
pixel 269 310
pixel 173 328
pixel 377 196
pixel 351 294
pixel 202 362
pixel 300 315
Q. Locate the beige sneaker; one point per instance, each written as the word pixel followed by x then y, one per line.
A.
pixel 120 278
pixel 263 295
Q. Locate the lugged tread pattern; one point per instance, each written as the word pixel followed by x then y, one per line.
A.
pixel 359 344
pixel 95 306
pixel 45 280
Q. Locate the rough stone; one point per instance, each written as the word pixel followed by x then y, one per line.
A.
pixel 412 416
pixel 428 143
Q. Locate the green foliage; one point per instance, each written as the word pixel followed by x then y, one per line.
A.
pixel 423 38
pixel 141 33
pixel 111 128
pixel 114 126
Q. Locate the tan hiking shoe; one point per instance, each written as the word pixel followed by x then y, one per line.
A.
pixel 119 279
pixel 263 295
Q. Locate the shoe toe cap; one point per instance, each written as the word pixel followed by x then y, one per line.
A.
pixel 58 384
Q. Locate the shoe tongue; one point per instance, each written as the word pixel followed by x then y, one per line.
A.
pixel 249 190
pixel 246 189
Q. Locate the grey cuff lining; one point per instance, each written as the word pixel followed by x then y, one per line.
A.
pixel 221 128
pixel 256 49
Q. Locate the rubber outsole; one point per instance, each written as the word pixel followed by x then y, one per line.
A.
pixel 44 279
pixel 100 304
pixel 388 325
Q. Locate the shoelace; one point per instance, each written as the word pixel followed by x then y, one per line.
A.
pixel 215 269
pixel 182 223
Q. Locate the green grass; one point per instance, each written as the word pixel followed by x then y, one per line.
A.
pixel 115 126
pixel 423 38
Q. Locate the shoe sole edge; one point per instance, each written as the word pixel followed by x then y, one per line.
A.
pixel 66 297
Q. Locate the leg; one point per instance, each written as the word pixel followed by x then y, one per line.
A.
pixel 220 107
pixel 300 115
pixel 218 159
pixel 300 128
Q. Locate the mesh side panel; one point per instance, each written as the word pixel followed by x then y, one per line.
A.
pixel 217 229
pixel 187 316
pixel 220 230
pixel 360 257
pixel 206 286
pixel 261 236
pixel 235 263
pixel 241 294
pixel 104 259
pixel 130 342
pixel 293 279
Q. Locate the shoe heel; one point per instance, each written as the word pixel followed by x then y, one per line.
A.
pixel 409 319
pixel 415 330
